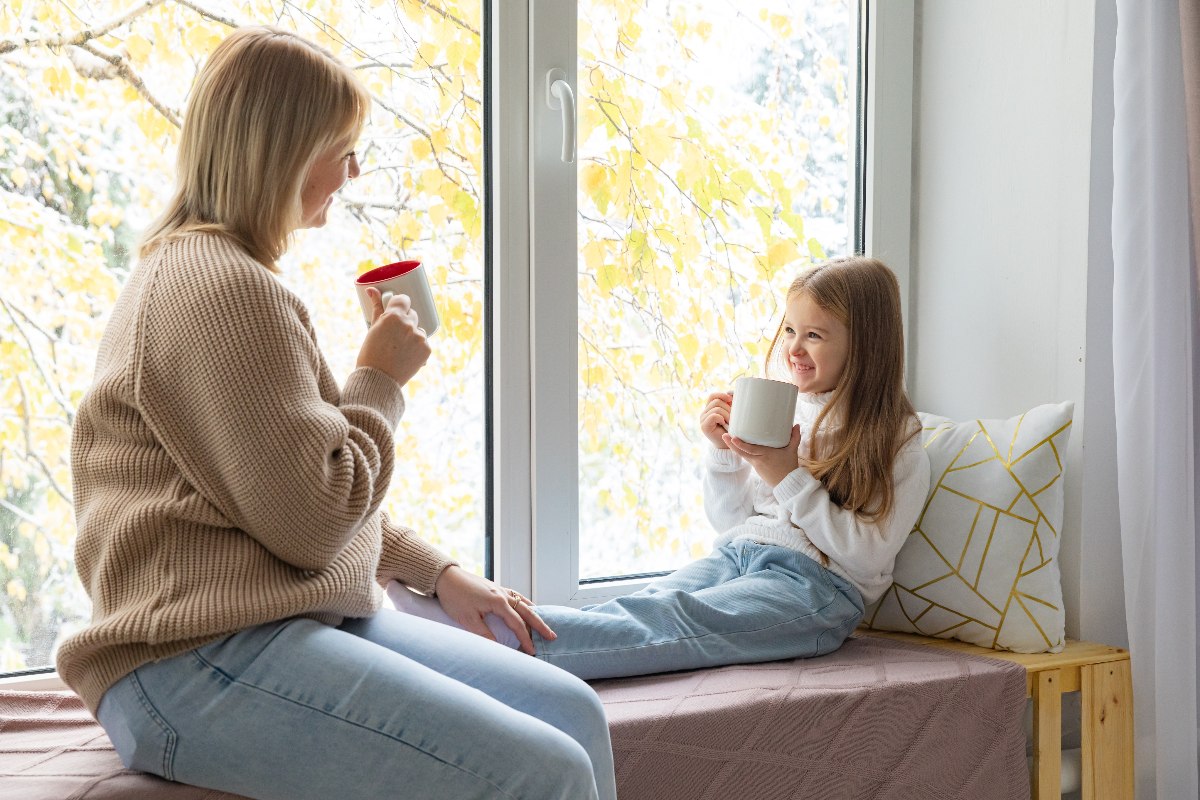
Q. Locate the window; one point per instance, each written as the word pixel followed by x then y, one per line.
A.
pixel 587 306
pixel 716 155
pixel 87 141
pixel 715 158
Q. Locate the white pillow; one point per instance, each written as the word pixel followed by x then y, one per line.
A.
pixel 981 565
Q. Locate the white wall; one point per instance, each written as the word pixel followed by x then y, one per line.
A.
pixel 1011 268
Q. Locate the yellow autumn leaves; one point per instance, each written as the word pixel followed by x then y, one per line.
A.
pixel 695 193
pixel 90 99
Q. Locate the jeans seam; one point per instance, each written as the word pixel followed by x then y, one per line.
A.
pixel 287 699
pixel 168 762
pixel 210 665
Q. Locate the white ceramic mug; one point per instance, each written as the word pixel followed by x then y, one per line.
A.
pixel 763 411
pixel 402 277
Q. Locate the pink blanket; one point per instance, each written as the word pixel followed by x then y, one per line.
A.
pixel 52 749
pixel 878 719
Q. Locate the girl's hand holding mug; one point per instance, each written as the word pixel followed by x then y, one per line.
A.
pixel 772 464
pixel 714 419
pixel 395 343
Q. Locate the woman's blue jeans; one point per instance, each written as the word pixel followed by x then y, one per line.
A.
pixel 388 706
pixel 744 603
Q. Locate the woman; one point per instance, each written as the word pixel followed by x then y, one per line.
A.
pixel 227 497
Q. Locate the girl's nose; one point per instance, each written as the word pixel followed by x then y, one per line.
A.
pixel 354 171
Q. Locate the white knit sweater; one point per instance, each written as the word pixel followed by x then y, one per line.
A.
pixel 798 513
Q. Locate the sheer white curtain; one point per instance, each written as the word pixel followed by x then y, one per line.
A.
pixel 1156 349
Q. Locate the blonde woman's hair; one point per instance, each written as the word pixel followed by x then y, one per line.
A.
pixel 265 104
pixel 873 415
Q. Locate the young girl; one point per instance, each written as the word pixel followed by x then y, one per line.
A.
pixel 808 532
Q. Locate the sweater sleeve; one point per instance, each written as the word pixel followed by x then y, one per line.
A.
pixel 865 550
pixel 229 377
pixel 409 559
pixel 728 490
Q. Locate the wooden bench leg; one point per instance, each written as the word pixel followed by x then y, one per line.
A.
pixel 1107 710
pixel 1047 735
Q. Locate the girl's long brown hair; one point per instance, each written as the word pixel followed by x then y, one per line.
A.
pixel 871 411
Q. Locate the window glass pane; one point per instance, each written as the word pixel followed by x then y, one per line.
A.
pixel 87 143
pixel 716 148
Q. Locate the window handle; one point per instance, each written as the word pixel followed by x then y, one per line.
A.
pixel 560 96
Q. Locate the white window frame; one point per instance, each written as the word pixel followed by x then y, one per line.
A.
pixel 40 682
pixel 512 428
pixel 536 324
pixel 888 201
pixel 554 325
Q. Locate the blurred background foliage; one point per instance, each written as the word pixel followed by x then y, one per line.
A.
pixel 716 142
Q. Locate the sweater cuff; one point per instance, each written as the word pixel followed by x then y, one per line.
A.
pixel 375 389
pixel 796 482
pixel 407 558
pixel 723 460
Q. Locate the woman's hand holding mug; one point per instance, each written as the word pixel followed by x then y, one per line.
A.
pixel 395 344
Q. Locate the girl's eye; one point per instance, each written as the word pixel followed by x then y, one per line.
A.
pixel 813 335
pixel 351 154
pixel 787 331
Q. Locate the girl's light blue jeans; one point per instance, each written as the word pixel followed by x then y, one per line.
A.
pixel 388 706
pixel 744 603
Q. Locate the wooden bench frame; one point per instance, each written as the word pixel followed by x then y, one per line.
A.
pixel 1101 674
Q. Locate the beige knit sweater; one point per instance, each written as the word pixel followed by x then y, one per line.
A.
pixel 221 478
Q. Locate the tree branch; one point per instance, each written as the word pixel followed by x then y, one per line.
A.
pixel 362 205
pixel 124 70
pixel 31 452
pixel 447 15
pixel 84 36
pixel 58 398
pixel 377 64
pixel 228 22
pixel 426 135
pixel 21 513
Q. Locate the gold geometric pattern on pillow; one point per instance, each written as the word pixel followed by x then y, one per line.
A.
pixel 981 564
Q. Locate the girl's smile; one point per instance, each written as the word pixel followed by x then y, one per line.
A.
pixel 817 345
